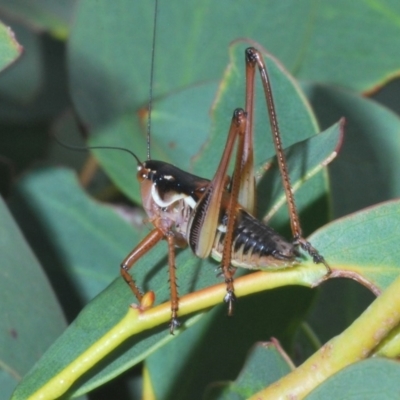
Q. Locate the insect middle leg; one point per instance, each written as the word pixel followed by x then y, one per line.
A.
pixel 172 284
pixel 213 203
pixel 236 188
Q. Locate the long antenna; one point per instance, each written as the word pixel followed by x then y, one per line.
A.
pixel 151 77
pixel 78 148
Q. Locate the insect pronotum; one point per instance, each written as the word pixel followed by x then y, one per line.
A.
pixel 215 217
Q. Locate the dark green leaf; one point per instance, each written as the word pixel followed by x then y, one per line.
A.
pixel 31 317
pixel 264 365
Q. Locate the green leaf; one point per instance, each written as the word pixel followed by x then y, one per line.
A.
pixel 351 49
pixel 32 318
pixel 52 16
pixel 306 161
pixel 366 169
pixel 81 240
pixel 304 35
pixel 22 81
pixel 10 49
pixel 364 245
pixel 366 380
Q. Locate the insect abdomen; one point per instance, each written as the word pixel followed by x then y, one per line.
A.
pixel 255 245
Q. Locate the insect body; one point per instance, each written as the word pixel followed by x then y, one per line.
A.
pixel 214 217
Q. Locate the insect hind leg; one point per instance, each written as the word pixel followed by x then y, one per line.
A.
pixel 253 59
pixel 313 252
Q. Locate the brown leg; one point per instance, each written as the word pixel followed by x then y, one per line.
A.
pixel 142 248
pixel 253 58
pixel 239 122
pixel 208 209
pixel 247 191
pixel 172 282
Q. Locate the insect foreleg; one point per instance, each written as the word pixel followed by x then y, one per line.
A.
pixel 142 248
